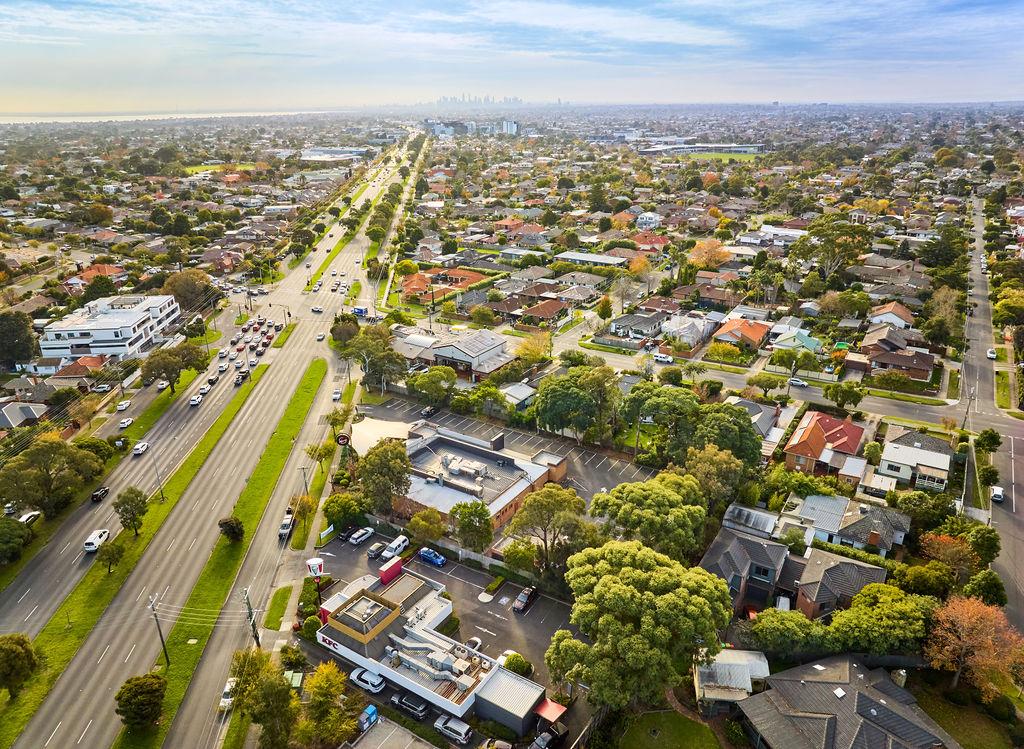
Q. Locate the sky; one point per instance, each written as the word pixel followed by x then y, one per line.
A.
pixel 108 56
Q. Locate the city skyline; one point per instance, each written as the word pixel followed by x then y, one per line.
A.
pixel 85 56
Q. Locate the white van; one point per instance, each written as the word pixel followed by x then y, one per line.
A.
pixel 663 358
pixel 454 729
pixel 96 540
pixel 394 548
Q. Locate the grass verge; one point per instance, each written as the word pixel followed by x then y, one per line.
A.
pixel 238 729
pixel 275 610
pixel 967 724
pixel 316 491
pixel 953 389
pixel 906 398
pixel 1003 389
pixel 210 336
pixel 372 399
pixel 241 318
pixel 58 642
pixel 724 367
pixel 353 292
pixel 284 335
pixel 187 641
pixel 348 393
pixel 669 728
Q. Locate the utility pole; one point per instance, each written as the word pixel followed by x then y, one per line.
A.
pixel 159 481
pixel 970 397
pixel 304 481
pixel 252 617
pixel 152 607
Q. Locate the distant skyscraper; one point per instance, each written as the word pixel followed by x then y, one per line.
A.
pixel 510 127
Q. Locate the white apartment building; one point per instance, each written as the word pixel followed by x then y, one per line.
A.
pixel 121 326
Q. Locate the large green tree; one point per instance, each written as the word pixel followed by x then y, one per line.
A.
pixel 562 404
pixel 426 526
pixel 140 700
pixel 786 633
pixel 98 288
pixel 646 619
pixel 47 474
pixel 274 707
pixel 17 342
pixel 832 243
pixel 718 472
pixel 472 524
pixel 882 619
pixel 729 428
pixel 435 386
pixel 131 506
pixel 13 537
pixel 383 474
pixel 192 289
pixel 18 661
pixel 344 509
pixel 549 516
pixel 327 719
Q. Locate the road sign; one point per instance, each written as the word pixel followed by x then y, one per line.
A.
pixel 343 439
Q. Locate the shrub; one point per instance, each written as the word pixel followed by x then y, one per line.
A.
pixel 1001 708
pixel 495 730
pixel 495 584
pixel 1017 734
pixel 517 664
pixel 958 696
pixel 735 734
pixel 425 732
pixel 310 627
pixel 308 604
pixel 292 658
pixel 449 627
pixel 892 567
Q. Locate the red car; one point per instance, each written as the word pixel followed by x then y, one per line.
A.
pixel 240 347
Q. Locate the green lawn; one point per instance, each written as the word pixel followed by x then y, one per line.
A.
pixel 1001 354
pixel 186 641
pixel 967 724
pixel 57 641
pixel 244 166
pixel 354 291
pixel 371 252
pixel 210 336
pixel 1003 389
pixel 276 609
pixel 918 399
pixel 238 729
pixel 241 318
pixel 283 335
pixel 372 399
pixel 953 390
pixel 665 730
pixel 724 367
pixel 348 393
pixel 316 491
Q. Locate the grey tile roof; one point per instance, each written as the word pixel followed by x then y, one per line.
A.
pixel 733 553
pixel 924 441
pixel 859 523
pixel 829 578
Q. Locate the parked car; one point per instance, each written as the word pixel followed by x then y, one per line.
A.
pixel 395 548
pixel 10 508
pixel 430 556
pixel 503 658
pixel 30 518
pixel 227 699
pixel 360 536
pixel 371 682
pixel 552 736
pixel 124 405
pixel 797 382
pixel 376 550
pixel 140 448
pixel 454 729
pixel 105 388
pixel 524 600
pixel 427 412
pixel 991 353
pixel 474 643
pixel 125 423
pixel 99 493
pixel 95 540
pixel 411 704
pixel 162 385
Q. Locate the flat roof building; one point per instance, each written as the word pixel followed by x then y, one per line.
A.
pixel 586 258
pixel 120 326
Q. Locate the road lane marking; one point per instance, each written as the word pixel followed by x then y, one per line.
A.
pixel 23 595
pixel 130 652
pixel 65 547
pixel 103 654
pixel 193 543
pixel 196 505
pixel 140 593
pixel 52 734
pixel 1013 478
pixel 31 612
pixel 80 555
pixel 164 594
pixel 171 544
pixel 83 732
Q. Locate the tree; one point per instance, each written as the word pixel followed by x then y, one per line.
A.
pixel 232 528
pixel 983 539
pixel 986 586
pixel 520 554
pixel 934 579
pixel 47 474
pixel 561 404
pixel 926 510
pixel 436 385
pixel 274 707
pixel 547 516
pixel 604 308
pixel 249 667
pixel 131 506
pixel 786 632
pixel 191 288
pixel 110 554
pixel 534 349
pixel 881 619
pixel 694 370
pixel 671 375
pixel 892 380
pixel 472 524
pixel 988 440
pixel 644 614
pixel 13 537
pixel 406 267
pixel 304 507
pixel 517 664
pixel 98 288
pixel 344 509
pixel 481 315
pixel 955 552
pixel 974 641
pixel 375 234
pixel 718 473
pixel 988 475
pixel 163 364
pixel 140 700
pixel 765 382
pixel 326 720
pixel 100 448
pixel 17 662
pixel 842 393
pixel 666 513
pixel 873 452
pixel 832 243
pixel 794 540
pixel 708 254
pixel 17 341
pixel 383 474
pixel 426 526
pixel 729 428
pixel 320 452
pixel 344 328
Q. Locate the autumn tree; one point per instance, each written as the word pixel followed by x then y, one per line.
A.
pixel 327 718
pixel 832 243
pixel 953 551
pixel 974 641
pixel 708 254
pixel 426 526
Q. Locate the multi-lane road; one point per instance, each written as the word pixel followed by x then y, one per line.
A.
pixel 79 710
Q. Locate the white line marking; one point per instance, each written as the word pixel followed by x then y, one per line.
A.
pixel 130 652
pixel 193 543
pixel 1013 477
pixel 195 505
pixel 65 547
pixel 164 594
pixel 31 612
pixel 80 555
pixel 23 595
pixel 83 732
pixel 52 734
pixel 103 654
pixel 171 544
pixel 140 593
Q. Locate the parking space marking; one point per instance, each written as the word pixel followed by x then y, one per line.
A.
pixel 637 472
pixel 488 632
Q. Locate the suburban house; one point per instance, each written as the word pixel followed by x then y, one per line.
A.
pixel 797 340
pixel 837 703
pixel 732 675
pixel 892 313
pixel 120 326
pixel 917 365
pixel 648 221
pixel 844 521
pixel 917 459
pixel 750 566
pixel 691 328
pixel 20 413
pixel 477 354
pixel 76 284
pixel 748 334
pixel 586 258
pixel 829 582
pixel 824 444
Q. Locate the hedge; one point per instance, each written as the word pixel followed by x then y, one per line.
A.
pixel 495 584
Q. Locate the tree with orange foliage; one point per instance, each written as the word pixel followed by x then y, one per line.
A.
pixel 708 253
pixel 709 179
pixel 955 552
pixel 974 641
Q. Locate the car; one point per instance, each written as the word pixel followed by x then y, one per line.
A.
pixel 204 389
pixel 496 744
pixel 95 540
pixel 991 353
pixel 162 385
pixel 320 336
pixel 227 699
pixel 222 367
pixel 268 337
pixel 253 363
pixel 376 550
pixel 996 494
pixel 430 556
pixel 101 388
pixel 247 339
pixel 125 423
pixel 360 536
pixel 396 547
pixel 411 704
pixel 30 518
pixel 309 265
pixel 124 405
pixel 260 351
pixel 371 682
pixel 334 272
pixel 318 310
pixel 140 448
pixel 457 730
pixel 146 382
pixel 503 658
pixel 240 347
pixel 336 395
pixel 10 508
pixel 279 327
pixel 346 533
pixel 213 379
pixel 552 736
pixel 474 643
pixel 286 527
pixel 222 354
pixel 239 363
pixel 797 382
pixel 427 412
pixel 239 379
pixel 195 400
pixel 99 493
pixel 524 600
pixel 233 356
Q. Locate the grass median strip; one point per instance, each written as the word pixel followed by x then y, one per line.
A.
pixel 905 397
pixel 58 641
pixel 276 610
pixel 316 491
pixel 1003 389
pixel 186 641
pixel 284 336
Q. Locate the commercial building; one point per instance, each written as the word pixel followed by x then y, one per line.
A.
pixel 119 326
pixel 387 623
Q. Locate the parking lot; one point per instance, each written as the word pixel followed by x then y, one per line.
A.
pixel 387 735
pixel 588 472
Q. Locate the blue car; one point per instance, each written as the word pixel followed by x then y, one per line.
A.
pixel 432 557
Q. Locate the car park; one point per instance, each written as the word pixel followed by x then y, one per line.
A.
pixel 474 643
pixel 95 540
pixel 396 547
pixel 195 400
pixel 125 423
pixel 140 448
pixel 410 704
pixel 428 412
pixel 124 405
pixel 99 493
pixel 376 550
pixel 371 682
pixel 360 536
pixel 227 698
pixel 452 728
pixel 430 556
pixel 524 600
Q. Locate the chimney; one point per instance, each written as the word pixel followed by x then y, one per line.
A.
pixel 899 677
pixel 874 538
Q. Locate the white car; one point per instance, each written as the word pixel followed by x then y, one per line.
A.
pixel 371 682
pixel 124 405
pixel 504 656
pixel 96 540
pixel 162 385
pixel 361 536
pixel 227 699
pixel 195 400
pixel 239 363
pixel 125 423
pixel 101 389
pixel 320 336
pixel 253 363
pixel 336 395
pixel 140 448
pixel 222 354
pixel 233 355
pixel 204 389
pixel 991 353
pixel 222 367
pixel 334 272
pixel 318 310
pixel 797 382
pixel 996 494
